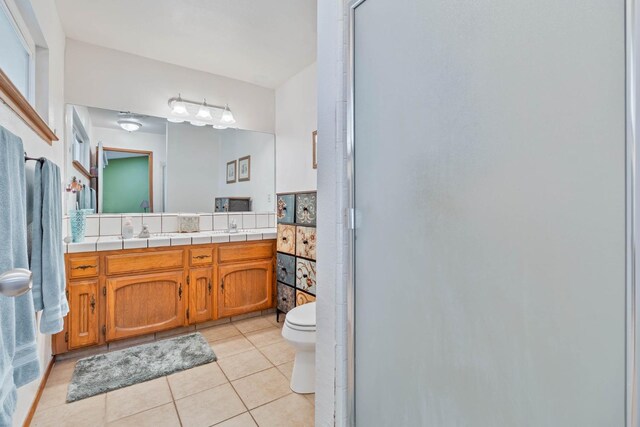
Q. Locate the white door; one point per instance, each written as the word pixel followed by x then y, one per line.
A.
pixel 490 212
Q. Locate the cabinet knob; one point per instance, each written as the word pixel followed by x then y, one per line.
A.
pixel 93 303
pixel 180 292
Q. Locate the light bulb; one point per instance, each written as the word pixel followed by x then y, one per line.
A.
pixel 227 116
pixel 218 126
pixel 197 123
pixel 175 120
pixel 204 112
pixel 179 108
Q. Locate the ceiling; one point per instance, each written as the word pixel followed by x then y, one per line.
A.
pixel 109 119
pixel 258 41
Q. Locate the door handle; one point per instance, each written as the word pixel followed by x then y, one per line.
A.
pixel 209 286
pixel 222 285
pixel 93 303
pixel 180 292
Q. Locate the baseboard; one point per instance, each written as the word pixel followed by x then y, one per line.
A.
pixel 43 383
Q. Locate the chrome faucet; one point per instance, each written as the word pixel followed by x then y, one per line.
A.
pixel 233 226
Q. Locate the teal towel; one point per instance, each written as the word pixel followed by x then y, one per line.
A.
pixel 47 263
pixel 18 351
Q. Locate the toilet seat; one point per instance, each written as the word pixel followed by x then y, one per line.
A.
pixel 302 318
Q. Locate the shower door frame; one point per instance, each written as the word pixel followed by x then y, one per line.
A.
pixel 632 67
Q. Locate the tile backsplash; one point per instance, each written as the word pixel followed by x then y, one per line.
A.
pixel 111 224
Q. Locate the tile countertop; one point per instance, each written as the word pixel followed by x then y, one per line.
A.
pixel 113 243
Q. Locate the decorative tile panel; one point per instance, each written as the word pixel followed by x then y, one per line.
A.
pixel 306 242
pixel 286 269
pixel 303 298
pixel 287 239
pixel 306 275
pixel 286 298
pixel 285 209
pixel 306 208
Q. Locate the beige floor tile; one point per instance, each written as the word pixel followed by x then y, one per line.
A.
pixel 162 416
pixel 272 318
pixel 61 374
pixel 137 398
pixel 230 346
pixel 293 410
pixel 195 380
pixel 311 398
pixel 210 406
pixel 83 413
pixel 286 369
pixel 265 337
pixel 53 395
pixel 262 387
pixel 244 364
pixel 221 332
pixel 279 353
pixel 243 420
pixel 253 324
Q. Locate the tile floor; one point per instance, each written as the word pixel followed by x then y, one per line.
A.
pixel 247 386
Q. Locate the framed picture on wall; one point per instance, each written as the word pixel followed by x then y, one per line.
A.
pixel 231 172
pixel 314 148
pixel 244 168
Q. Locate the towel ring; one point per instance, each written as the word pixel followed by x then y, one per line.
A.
pixel 16 282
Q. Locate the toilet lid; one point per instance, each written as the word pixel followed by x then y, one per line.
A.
pixel 302 316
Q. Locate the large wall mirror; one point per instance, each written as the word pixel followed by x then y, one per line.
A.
pixel 133 163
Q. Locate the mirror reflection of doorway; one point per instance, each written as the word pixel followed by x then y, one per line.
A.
pixel 127 181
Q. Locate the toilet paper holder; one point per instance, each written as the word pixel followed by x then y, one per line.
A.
pixel 16 282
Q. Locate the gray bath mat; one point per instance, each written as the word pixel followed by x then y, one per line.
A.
pixel 111 371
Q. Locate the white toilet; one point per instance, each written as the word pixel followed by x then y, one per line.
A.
pixel 300 331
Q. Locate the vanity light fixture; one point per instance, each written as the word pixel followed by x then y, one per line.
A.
pixel 199 113
pixel 129 125
pixel 204 112
pixel 179 108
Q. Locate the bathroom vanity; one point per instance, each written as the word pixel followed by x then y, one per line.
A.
pixel 128 293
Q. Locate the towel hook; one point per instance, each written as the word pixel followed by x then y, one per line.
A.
pixel 16 282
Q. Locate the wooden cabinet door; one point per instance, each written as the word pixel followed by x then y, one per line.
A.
pixel 83 313
pixel 200 295
pixel 146 303
pixel 245 287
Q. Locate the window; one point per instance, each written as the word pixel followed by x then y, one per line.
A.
pixel 15 55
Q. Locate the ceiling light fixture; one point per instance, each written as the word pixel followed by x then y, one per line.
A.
pixel 204 112
pixel 175 120
pixel 129 125
pixel 218 126
pixel 197 123
pixel 179 108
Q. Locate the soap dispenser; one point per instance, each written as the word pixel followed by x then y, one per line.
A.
pixel 127 228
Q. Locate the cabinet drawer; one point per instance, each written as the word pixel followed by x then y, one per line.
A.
pixel 82 267
pixel 245 252
pixel 146 261
pixel 201 256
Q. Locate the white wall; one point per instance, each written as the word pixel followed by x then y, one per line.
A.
pixel 110 79
pixel 196 167
pixel 192 168
pixel 296 119
pixel 331 355
pixel 52 82
pixel 146 141
pixel 235 144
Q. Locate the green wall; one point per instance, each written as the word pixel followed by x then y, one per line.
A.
pixel 125 185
